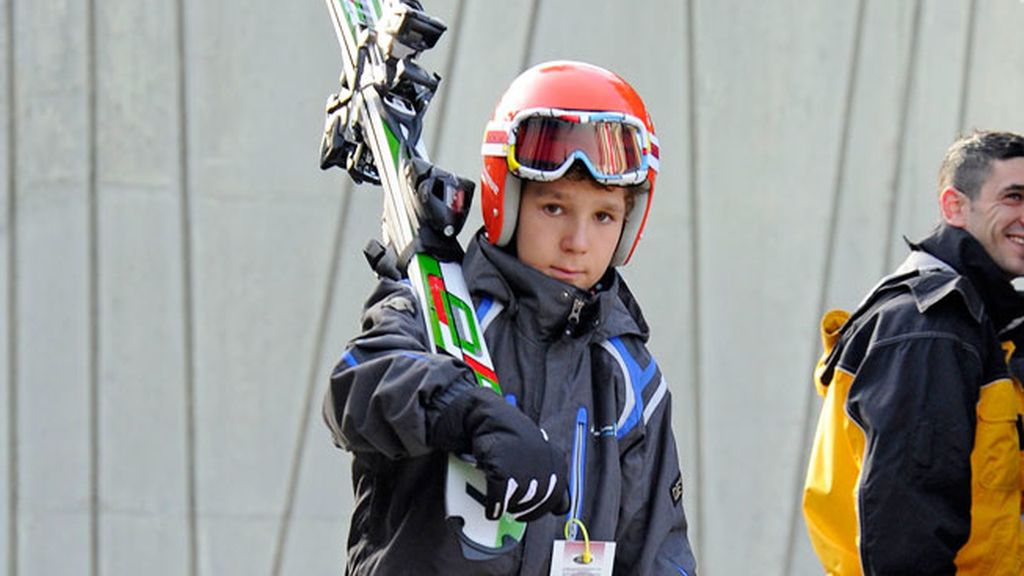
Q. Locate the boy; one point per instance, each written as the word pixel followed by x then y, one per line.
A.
pixel 570 162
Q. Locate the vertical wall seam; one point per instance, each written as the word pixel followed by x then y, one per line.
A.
pixel 904 119
pixel 314 376
pixel 796 513
pixel 531 35
pixel 965 74
pixel 449 68
pixel 188 305
pixel 93 289
pixel 11 325
pixel 695 301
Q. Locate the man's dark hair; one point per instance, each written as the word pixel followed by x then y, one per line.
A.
pixel 968 161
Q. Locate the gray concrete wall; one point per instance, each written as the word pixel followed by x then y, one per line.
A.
pixel 177 277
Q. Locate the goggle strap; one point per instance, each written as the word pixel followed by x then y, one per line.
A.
pixel 495 139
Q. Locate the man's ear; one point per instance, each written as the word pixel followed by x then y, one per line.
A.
pixel 954 205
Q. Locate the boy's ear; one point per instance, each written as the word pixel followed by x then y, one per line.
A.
pixel 954 205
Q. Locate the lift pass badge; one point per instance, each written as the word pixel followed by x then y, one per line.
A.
pixel 567 558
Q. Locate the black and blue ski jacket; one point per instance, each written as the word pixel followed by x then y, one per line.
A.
pixel 589 382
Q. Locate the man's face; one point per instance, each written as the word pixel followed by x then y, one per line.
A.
pixel 996 217
pixel 568 229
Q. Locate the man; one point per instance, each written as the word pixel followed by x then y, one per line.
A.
pixel 917 465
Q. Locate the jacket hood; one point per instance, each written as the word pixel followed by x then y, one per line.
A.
pixel 607 310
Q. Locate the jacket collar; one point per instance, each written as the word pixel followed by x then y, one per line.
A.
pixel 545 306
pixel 948 262
pixel 965 255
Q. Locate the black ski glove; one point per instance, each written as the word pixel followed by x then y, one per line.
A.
pixel 526 475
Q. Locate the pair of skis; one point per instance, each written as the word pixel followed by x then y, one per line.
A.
pixel 373 130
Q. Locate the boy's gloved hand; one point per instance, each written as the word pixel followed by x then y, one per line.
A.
pixel 526 475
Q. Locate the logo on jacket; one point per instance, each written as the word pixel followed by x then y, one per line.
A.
pixel 676 491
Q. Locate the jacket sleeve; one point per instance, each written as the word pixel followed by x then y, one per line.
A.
pixel 652 534
pixel 912 398
pixel 387 388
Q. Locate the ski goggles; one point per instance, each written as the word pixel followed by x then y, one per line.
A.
pixel 542 143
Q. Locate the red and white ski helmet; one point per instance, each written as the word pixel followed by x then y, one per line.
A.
pixel 559 113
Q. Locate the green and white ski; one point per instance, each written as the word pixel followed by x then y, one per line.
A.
pixel 373 131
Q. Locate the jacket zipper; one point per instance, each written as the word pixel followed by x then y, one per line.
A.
pixel 577 473
pixel 574 315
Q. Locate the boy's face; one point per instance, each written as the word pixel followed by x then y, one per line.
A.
pixel 568 229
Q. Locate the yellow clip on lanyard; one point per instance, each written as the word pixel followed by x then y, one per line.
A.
pixel 587 557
